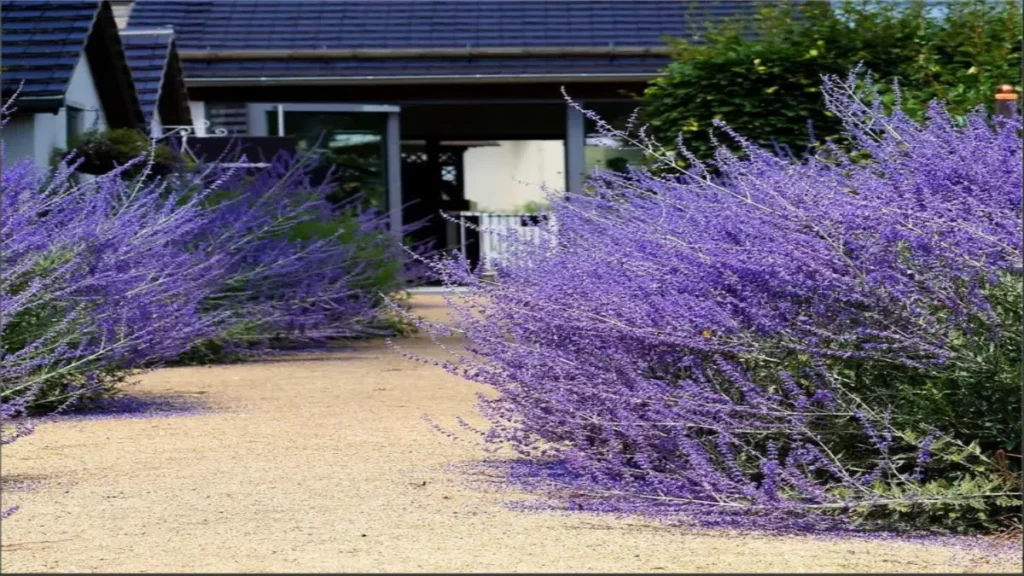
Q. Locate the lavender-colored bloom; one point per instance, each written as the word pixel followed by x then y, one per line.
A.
pixel 679 344
pixel 296 268
pixel 107 276
pixel 104 277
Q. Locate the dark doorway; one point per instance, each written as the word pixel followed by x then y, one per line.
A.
pixel 432 184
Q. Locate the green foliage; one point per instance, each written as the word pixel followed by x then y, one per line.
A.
pixel 972 481
pixel 976 397
pixel 370 247
pixel 768 88
pixel 531 207
pixel 534 207
pixel 53 317
pixel 358 173
pixel 102 151
pixel 970 406
pixel 971 502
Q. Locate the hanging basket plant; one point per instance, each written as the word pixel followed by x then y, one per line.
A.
pixel 99 152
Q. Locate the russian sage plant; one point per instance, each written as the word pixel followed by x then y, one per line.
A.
pixel 97 280
pixel 106 275
pixel 300 265
pixel 819 342
pixel 103 277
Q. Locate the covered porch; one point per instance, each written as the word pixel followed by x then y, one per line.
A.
pixel 419 150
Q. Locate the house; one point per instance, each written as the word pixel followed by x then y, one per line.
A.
pixel 407 87
pixel 159 81
pixel 65 62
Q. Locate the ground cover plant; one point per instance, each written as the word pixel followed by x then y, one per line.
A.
pixel 822 343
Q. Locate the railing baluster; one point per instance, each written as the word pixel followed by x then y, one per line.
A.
pixel 502 236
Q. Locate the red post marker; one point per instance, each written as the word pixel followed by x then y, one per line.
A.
pixel 1006 101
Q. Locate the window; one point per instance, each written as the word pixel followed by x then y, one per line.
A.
pixel 232 117
pixel 75 119
pixel 608 152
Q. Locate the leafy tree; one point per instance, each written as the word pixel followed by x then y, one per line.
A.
pixel 762 76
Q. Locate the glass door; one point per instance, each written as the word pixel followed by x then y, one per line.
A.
pixel 360 141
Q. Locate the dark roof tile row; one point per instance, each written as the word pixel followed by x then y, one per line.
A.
pixel 148 54
pixel 41 43
pixel 219 25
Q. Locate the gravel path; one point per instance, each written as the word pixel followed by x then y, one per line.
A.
pixel 322 463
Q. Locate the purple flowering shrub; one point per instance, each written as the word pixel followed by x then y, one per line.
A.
pixel 94 285
pixel 109 275
pixel 104 276
pixel 299 266
pixel 820 342
pixel 96 281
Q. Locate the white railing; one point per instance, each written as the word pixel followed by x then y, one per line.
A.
pixel 499 234
pixel 184 132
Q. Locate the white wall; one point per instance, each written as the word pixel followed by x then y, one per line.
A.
pixel 122 10
pixel 198 112
pixel 82 94
pixel 38 134
pixel 50 131
pixel 34 136
pixel 503 178
pixel 156 126
pixel 19 137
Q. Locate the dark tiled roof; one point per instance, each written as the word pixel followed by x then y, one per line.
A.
pixel 222 25
pixel 41 42
pixel 219 24
pixel 148 55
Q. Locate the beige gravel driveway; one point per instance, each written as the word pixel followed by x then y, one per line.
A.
pixel 322 463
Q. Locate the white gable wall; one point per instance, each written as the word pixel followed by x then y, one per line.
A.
pixel 49 132
pixel 19 138
pixel 82 94
pixel 33 136
pixel 198 112
pixel 122 10
pixel 37 135
pixel 156 126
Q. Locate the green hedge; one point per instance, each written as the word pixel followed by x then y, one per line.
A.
pixel 768 88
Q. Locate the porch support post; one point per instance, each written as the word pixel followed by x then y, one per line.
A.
pixel 394 173
pixel 257 119
pixel 575 140
pixel 197 110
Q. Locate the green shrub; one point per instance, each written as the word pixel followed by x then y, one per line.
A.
pixel 768 88
pixel 976 398
pixel 974 401
pixel 101 151
pixel 387 274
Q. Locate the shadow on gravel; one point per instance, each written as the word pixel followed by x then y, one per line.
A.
pixel 21 482
pixel 136 406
